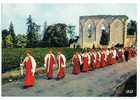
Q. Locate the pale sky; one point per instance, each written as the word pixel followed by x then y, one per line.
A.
pixel 59 13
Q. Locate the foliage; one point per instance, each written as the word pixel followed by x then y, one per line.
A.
pixel 132 28
pixel 72 34
pixel 32 32
pixel 71 31
pixel 12 57
pixel 21 41
pixel 56 36
pixel 11 31
pixel 9 37
pixel 9 41
pixel 45 31
pixel 4 34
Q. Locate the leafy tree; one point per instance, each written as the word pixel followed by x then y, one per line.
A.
pixel 56 36
pixel 45 30
pixel 4 34
pixel 72 34
pixel 21 41
pixel 104 38
pixel 9 41
pixel 11 31
pixel 32 32
pixel 132 28
pixel 71 31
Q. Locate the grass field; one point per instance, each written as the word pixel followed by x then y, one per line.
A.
pixel 11 57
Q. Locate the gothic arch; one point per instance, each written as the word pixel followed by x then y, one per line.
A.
pixel 89 32
pixel 116 32
pixel 102 23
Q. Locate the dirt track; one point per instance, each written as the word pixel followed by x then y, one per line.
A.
pixel 101 82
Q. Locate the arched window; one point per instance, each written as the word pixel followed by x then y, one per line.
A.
pixel 104 35
pixel 89 30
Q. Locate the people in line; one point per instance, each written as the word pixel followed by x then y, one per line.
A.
pixel 82 61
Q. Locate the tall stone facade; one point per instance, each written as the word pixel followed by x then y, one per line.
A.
pixel 90 29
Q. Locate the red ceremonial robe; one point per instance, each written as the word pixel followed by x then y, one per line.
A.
pixel 85 62
pixel 114 56
pixel 61 64
pixel 120 55
pixel 129 53
pixel 133 52
pixel 111 57
pixel 103 61
pixel 93 60
pixel 98 60
pixel 76 64
pixel 29 77
pixel 50 62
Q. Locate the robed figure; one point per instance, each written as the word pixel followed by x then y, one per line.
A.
pixel 103 57
pixel 93 59
pixel 61 61
pixel 98 59
pixel 49 64
pixel 130 51
pixel 30 66
pixel 126 55
pixel 111 57
pixel 120 55
pixel 86 61
pixel 76 61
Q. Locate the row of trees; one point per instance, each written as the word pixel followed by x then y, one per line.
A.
pixel 57 35
pixel 9 37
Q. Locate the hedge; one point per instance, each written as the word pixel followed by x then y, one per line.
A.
pixel 11 57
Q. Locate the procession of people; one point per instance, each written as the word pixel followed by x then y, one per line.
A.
pixel 83 60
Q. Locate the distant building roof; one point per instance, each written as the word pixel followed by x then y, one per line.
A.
pixel 104 16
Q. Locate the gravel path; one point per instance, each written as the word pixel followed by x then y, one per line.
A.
pixel 101 82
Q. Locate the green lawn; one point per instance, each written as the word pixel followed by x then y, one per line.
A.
pixel 11 57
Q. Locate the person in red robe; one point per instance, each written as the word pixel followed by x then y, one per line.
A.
pixel 76 61
pixel 134 52
pixel 93 59
pixel 81 56
pixel 130 51
pixel 107 56
pixel 114 55
pixel 120 55
pixel 98 59
pixel 86 61
pixel 30 66
pixel 103 57
pixel 111 57
pixel 49 63
pixel 61 61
